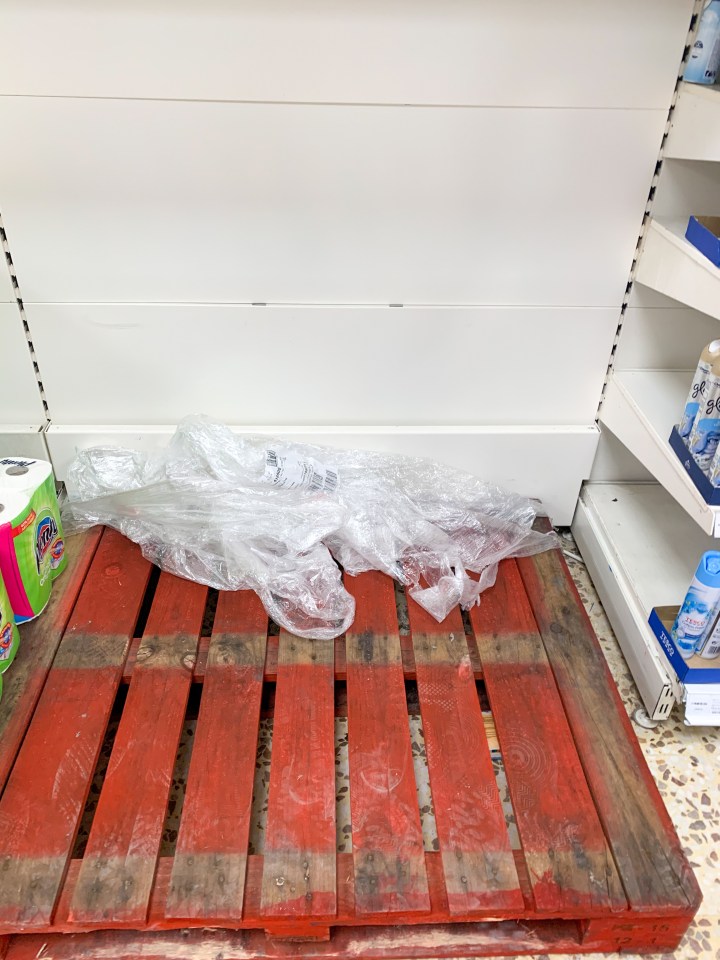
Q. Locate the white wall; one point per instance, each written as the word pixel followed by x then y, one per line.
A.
pixel 21 399
pixel 661 334
pixel 483 163
pixel 22 415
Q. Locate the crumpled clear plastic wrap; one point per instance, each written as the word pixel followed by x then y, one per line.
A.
pixel 242 512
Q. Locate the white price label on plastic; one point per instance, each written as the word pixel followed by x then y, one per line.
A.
pixel 288 471
pixel 702 705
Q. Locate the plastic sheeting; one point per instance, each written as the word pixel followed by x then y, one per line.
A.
pixel 251 512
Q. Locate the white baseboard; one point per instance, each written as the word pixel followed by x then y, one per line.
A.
pixel 547 462
pixel 23 440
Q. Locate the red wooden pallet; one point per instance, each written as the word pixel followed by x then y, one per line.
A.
pixel 599 866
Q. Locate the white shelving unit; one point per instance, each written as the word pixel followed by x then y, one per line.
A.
pixel 695 128
pixel 638 547
pixel 353 255
pixel 641 407
pixel 673 267
pixel 642 542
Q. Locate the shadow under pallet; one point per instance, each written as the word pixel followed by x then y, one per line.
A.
pixel 181 779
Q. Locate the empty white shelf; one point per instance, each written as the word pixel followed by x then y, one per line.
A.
pixel 641 408
pixel 674 267
pixel 695 124
pixel 641 551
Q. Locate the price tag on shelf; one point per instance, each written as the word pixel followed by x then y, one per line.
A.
pixel 702 704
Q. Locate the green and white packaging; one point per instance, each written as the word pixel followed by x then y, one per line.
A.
pixel 32 547
pixel 9 636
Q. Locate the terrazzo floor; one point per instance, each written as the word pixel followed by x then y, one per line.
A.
pixel 683 760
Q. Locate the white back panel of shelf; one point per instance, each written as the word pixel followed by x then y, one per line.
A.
pixel 21 401
pixel 227 202
pixel 659 545
pixel 519 458
pixel 614 462
pixel 659 333
pixel 7 293
pixel 687 187
pixel 23 440
pixel 621 53
pixel 371 365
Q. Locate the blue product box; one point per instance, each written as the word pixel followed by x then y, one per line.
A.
pixel 704 233
pixel 694 670
pixel 708 492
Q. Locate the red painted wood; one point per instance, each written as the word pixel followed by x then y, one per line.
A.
pixel 209 868
pixel 425 942
pixel 45 794
pixel 633 933
pixel 570 865
pixel 347 913
pixel 119 865
pixel 654 870
pixel 298 832
pixel 252 911
pixel 408 658
pixel 387 839
pixel 504 938
pixel 299 868
pixel 478 863
pixel 40 639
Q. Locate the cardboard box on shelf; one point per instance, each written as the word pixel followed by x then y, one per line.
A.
pixel 700 677
pixel 704 234
pixel 708 492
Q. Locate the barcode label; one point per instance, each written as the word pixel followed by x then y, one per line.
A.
pixel 288 471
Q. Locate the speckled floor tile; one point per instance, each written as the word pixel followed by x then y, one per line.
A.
pixel 261 788
pixel 343 830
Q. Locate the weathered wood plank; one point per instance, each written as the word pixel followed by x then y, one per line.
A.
pixel 628 934
pixel 652 866
pixel 299 869
pixel 117 873
pixel 387 839
pixel 408 658
pixel 570 865
pixel 208 874
pixel 478 863
pixel 45 794
pixel 423 942
pixel 347 913
pixel 40 639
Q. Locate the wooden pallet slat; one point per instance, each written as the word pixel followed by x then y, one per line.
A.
pixel 45 794
pixel 299 871
pixel 600 867
pixel 118 868
pixel 40 638
pixel 571 868
pixel 208 876
pixel 376 943
pixel 389 873
pixel 654 871
pixel 478 863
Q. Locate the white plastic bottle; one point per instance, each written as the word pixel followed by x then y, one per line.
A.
pixel 702 67
pixel 703 597
pixel 704 437
pixel 698 389
pixel 709 648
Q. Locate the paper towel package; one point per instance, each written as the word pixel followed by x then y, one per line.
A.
pixel 9 636
pixel 32 550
